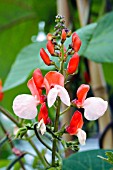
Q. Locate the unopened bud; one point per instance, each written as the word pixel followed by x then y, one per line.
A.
pixel 76 42
pixel 50 47
pixel 49 36
pixel 45 57
pixel 63 35
pixel 73 64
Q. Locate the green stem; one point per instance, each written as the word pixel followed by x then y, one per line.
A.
pixel 65 110
pixel 62 62
pixel 6 113
pixel 38 152
pixel 55 130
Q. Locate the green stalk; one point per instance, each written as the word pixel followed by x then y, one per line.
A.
pixel 55 130
pixel 7 114
pixel 62 62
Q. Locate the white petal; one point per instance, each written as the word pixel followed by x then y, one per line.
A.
pixel 42 126
pixel 63 94
pixel 51 97
pixel 24 106
pixel 81 134
pixel 94 107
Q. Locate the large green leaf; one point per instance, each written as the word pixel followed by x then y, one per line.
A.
pixel 100 48
pixel 27 60
pixel 87 160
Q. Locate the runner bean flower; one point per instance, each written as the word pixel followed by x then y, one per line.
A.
pixel 49 91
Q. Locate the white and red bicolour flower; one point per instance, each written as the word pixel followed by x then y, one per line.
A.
pixel 54 84
pixel 25 105
pixel 75 127
pixel 94 107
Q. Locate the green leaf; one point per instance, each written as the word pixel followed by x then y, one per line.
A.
pixel 4 163
pixel 27 60
pixel 87 160
pixel 100 48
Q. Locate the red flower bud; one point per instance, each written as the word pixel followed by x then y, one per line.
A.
pixel 76 42
pixel 75 123
pixel 73 64
pixel 38 78
pixel 49 36
pixel 50 47
pixel 63 35
pixel 45 57
pixel 1 93
pixel 43 114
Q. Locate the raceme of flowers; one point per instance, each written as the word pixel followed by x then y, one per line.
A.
pixel 25 105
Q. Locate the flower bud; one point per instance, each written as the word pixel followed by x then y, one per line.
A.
pixel 76 42
pixel 45 57
pixel 50 47
pixel 73 64
pixel 63 35
pixel 49 36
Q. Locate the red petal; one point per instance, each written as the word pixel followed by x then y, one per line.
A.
pixel 34 91
pixel 76 42
pixel 73 64
pixel 50 47
pixel 82 93
pixel 38 78
pixel 53 78
pixel 75 123
pixel 45 57
pixel 43 114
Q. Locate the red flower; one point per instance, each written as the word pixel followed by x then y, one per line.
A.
pixel 81 94
pixel 1 93
pixel 45 57
pixel 43 114
pixel 75 127
pixel 75 123
pixel 50 47
pixel 76 42
pixel 73 64
pixel 94 107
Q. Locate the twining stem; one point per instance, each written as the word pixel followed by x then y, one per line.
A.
pixel 38 152
pixel 55 130
pixel 11 143
pixel 6 113
pixel 40 139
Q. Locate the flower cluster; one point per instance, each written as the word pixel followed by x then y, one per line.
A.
pixel 47 90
